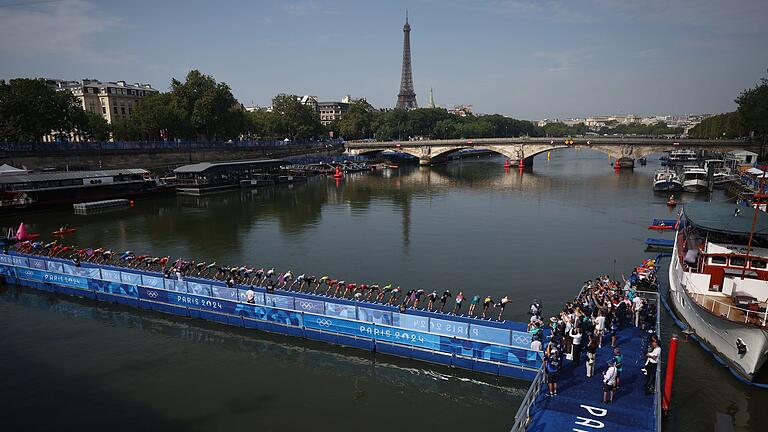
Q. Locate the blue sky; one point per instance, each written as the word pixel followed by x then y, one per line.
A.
pixel 527 59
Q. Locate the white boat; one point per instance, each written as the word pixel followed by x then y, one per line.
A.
pixel 666 180
pixel 719 285
pixel 695 180
pixel 678 156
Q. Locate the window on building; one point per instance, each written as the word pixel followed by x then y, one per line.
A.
pixel 115 109
pixel 122 110
pixel 103 109
pixel 109 90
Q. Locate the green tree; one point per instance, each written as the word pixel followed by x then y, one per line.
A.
pixel 209 107
pixel 753 109
pixel 30 109
pixel 293 119
pixel 158 116
pixel 95 128
pixel 124 129
pixel 727 125
pixel 357 122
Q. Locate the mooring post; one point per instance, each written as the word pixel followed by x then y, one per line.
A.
pixel 669 376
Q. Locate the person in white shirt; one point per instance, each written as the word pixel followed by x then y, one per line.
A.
pixel 637 306
pixel 536 345
pixel 575 335
pixel 653 362
pixel 609 382
pixel 599 329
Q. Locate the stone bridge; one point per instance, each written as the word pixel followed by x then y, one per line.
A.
pixel 624 150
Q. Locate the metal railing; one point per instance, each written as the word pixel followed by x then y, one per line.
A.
pixel 523 415
pixel 717 306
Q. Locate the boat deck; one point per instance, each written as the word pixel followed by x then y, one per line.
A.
pixel 726 307
pixel 579 399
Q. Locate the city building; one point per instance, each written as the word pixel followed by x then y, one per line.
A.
pixel 331 111
pixel 112 100
pixel 461 110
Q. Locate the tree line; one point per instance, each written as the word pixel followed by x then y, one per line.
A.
pixel 200 108
pixel 750 117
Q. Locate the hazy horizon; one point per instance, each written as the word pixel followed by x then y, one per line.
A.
pixel 526 59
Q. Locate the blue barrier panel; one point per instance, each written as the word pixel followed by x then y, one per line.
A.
pixel 410 321
pixel 521 339
pixel 182 287
pixel 130 278
pixel 224 293
pixel 449 328
pixel 192 288
pixel 7 271
pixel 335 325
pixel 152 282
pixel 340 310
pixel 401 336
pixel 113 288
pixel 310 306
pixel 20 261
pixel 89 272
pixel 376 316
pixel 6 259
pixel 53 278
pixel 489 334
pixel 111 275
pixel 268 314
pixel 187 300
pixel 37 264
pixel 280 301
pixel 55 267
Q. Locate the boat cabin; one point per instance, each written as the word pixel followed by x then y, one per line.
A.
pixel 723 270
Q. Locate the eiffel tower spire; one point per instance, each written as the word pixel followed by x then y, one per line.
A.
pixel 407 97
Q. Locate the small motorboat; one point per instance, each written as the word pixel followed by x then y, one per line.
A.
pixel 392 166
pixel 64 230
pixel 643 161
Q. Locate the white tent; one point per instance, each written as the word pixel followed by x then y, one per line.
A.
pixel 6 169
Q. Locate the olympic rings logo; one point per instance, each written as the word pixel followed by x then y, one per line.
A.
pixel 323 322
pixel 306 305
pixel 151 294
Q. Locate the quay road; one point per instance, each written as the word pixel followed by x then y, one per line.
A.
pixel 625 149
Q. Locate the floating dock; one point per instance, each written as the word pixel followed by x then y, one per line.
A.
pixel 487 346
pixel 96 206
pixel 653 243
pixel 578 405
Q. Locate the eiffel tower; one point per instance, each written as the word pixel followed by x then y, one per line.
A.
pixel 406 99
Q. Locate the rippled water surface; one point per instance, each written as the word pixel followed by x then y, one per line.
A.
pixel 466 226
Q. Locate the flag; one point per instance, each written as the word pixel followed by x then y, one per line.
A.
pixel 21 233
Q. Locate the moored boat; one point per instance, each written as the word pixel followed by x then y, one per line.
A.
pixel 666 180
pixel 695 180
pixel 719 281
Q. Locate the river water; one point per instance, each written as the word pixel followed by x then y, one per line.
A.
pixel 467 226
